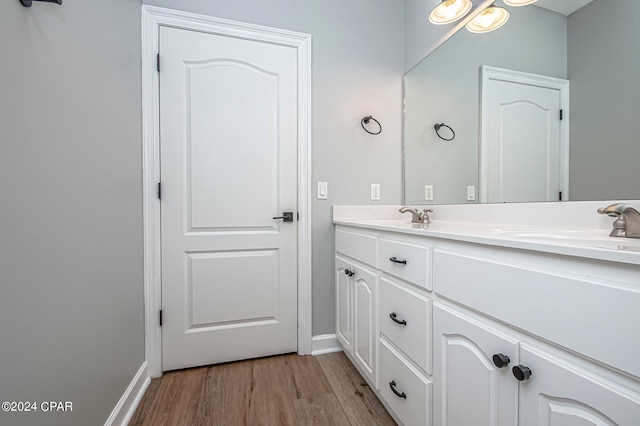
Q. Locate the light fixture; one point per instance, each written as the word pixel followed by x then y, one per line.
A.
pixel 492 18
pixel 449 11
pixel 517 3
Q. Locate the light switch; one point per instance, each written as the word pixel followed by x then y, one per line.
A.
pixel 322 190
pixel 375 192
pixel 428 192
pixel 471 193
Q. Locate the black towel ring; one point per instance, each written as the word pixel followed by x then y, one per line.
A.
pixel 437 127
pixel 366 120
pixel 27 3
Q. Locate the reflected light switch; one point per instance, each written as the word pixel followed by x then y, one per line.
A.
pixel 322 190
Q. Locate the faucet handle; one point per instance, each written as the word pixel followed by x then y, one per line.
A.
pixel 425 215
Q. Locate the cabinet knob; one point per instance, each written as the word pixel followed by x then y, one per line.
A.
pixel 521 372
pixel 501 360
pixel 392 385
pixel 348 273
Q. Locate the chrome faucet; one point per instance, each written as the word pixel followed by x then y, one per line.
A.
pixel 416 216
pixel 627 223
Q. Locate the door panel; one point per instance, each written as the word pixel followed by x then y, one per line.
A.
pixel 470 389
pixel 228 136
pixel 561 394
pixel 343 303
pixel 522 141
pixel 365 285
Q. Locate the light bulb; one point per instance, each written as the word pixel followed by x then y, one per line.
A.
pixel 449 11
pixel 488 20
pixel 517 3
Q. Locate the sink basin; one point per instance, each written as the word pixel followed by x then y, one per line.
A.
pixel 559 236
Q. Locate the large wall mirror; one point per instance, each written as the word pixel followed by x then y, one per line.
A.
pixel 592 44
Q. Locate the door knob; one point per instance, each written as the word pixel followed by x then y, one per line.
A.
pixel 501 360
pixel 286 217
pixel 521 372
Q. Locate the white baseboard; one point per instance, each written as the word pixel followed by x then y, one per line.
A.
pixel 122 413
pixel 324 344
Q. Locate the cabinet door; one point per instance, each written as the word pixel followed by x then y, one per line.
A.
pixel 343 303
pixel 365 285
pixel 559 393
pixel 469 389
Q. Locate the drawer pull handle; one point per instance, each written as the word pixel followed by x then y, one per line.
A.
pixel 395 319
pixel 501 360
pixel 392 385
pixel 348 273
pixel 396 260
pixel 521 372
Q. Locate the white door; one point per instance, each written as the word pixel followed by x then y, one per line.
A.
pixel 470 388
pixel 560 394
pixel 522 143
pixel 228 117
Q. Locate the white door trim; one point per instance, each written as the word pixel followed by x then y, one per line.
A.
pixel 501 74
pixel 152 19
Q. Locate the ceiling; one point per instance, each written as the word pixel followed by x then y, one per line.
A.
pixel 565 7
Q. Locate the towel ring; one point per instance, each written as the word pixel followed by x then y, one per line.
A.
pixel 438 126
pixel 27 3
pixel 366 120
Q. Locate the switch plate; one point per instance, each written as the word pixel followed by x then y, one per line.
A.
pixel 471 193
pixel 428 192
pixel 322 190
pixel 375 192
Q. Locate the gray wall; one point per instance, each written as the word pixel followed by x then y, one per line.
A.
pixel 445 87
pixel 603 66
pixel 420 36
pixel 357 71
pixel 71 307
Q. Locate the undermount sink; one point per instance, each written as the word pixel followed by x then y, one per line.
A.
pixel 558 236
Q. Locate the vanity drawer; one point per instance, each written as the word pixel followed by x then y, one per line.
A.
pixel 414 336
pixel 591 316
pixel 415 407
pixel 357 246
pixel 407 261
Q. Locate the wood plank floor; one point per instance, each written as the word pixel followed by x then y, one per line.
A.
pixel 280 390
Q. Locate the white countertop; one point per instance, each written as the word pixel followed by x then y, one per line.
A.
pixel 588 243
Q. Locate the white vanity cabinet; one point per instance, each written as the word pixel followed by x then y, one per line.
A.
pixel 356 299
pixel 467 333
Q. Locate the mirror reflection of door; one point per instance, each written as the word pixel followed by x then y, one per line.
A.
pixel 524 140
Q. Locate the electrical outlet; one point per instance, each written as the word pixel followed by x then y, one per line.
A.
pixel 375 192
pixel 428 192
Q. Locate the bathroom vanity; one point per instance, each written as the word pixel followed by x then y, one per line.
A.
pixel 467 322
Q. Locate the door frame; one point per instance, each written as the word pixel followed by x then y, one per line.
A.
pixel 152 19
pixel 489 73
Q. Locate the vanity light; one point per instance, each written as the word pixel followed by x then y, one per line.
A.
pixel 449 11
pixel 517 3
pixel 490 19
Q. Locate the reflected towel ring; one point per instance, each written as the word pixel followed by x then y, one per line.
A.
pixel 438 126
pixel 366 120
pixel 27 3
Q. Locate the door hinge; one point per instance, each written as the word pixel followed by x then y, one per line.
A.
pixel 160 317
pixel 561 114
pixel 560 196
pixel 158 62
pixel 297 216
pixel 159 191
